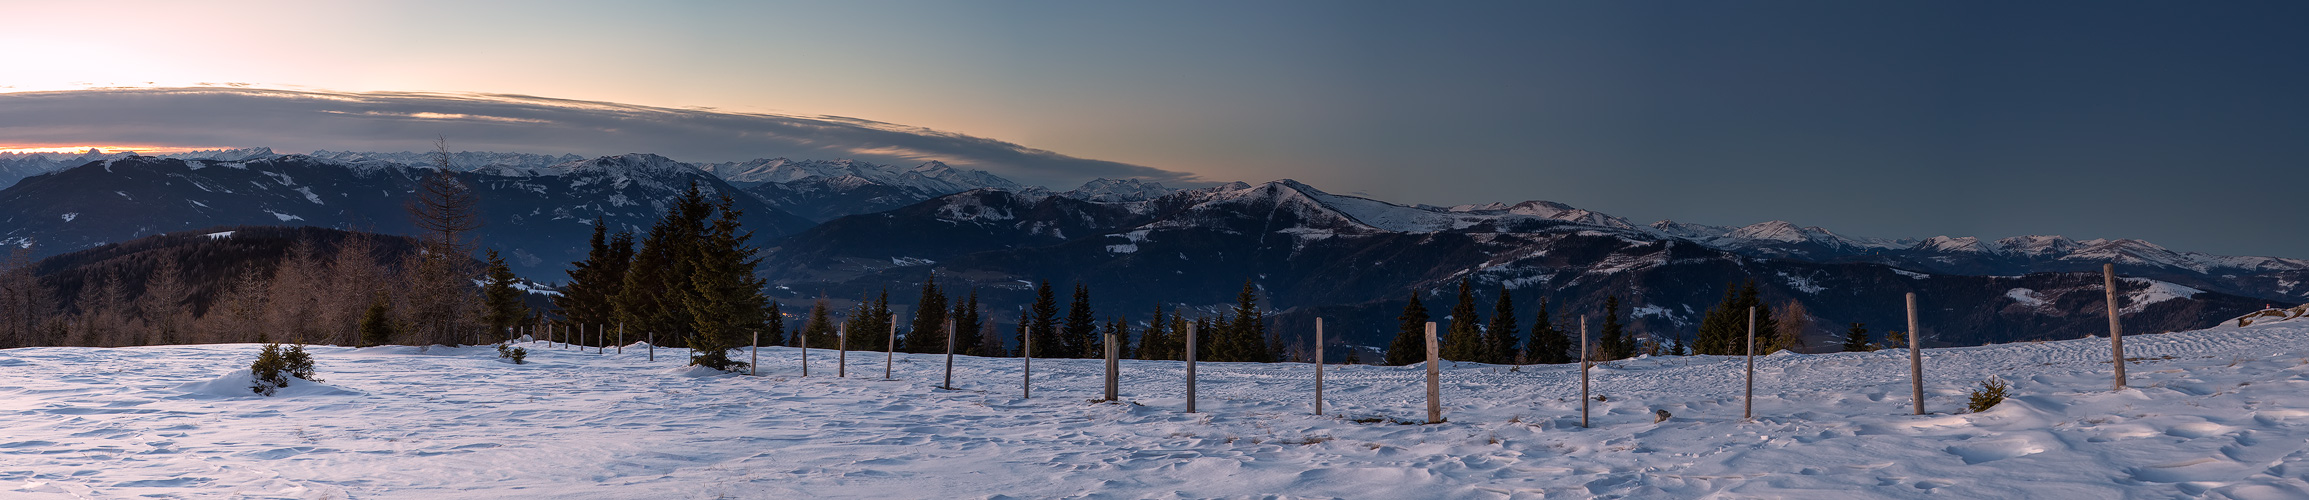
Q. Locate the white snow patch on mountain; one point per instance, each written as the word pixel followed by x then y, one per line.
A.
pixel 284 217
pixel 68 216
pixel 1802 284
pixel 2155 292
pixel 2026 297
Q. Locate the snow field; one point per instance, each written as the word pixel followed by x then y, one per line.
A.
pixel 2220 413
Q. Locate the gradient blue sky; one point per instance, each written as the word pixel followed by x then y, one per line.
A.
pixel 2180 123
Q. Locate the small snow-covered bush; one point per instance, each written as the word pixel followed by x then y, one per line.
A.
pixel 275 366
pixel 1990 393
pixel 507 351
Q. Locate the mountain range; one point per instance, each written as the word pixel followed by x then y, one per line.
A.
pixel 840 228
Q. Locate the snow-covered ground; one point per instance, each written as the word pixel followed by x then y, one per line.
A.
pixel 2220 413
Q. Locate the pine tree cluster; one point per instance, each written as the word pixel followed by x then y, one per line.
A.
pixel 691 282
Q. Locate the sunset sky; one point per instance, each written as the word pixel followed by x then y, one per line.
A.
pixel 2180 123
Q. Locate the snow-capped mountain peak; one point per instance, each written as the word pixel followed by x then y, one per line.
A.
pixel 1123 190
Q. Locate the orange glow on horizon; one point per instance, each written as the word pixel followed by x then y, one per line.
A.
pixel 105 149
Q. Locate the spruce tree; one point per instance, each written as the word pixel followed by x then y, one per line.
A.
pixel 819 329
pixel 1549 344
pixel 1244 338
pixel 1118 329
pixel 1724 330
pixel 928 334
pixel 1613 342
pixel 1410 345
pixel 724 300
pixel 659 279
pixel 1080 335
pixel 966 329
pixel 773 326
pixel 1206 339
pixel 1153 342
pixel 1044 325
pixel 1856 339
pixel 594 283
pixel 501 302
pixel 377 324
pixel 1502 333
pixel 1463 339
pixel 869 324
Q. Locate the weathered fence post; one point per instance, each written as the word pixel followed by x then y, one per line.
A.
pixel 949 354
pixel 755 367
pixel 1026 378
pixel 1190 367
pixel 1318 366
pixel 890 356
pixel 1915 356
pixel 1113 368
pixel 841 350
pixel 1583 371
pixel 1434 378
pixel 2116 330
pixel 1748 408
pixel 652 346
pixel 804 336
pixel 621 338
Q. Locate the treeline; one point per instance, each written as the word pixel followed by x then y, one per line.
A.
pixel 1723 331
pixel 265 284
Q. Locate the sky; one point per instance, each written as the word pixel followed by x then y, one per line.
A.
pixel 2178 123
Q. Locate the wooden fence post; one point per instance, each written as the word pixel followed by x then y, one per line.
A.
pixel 841 350
pixel 1915 356
pixel 1748 409
pixel 1318 366
pixel 653 346
pixel 805 341
pixel 2116 330
pixel 1583 371
pixel 890 356
pixel 1026 378
pixel 755 367
pixel 949 354
pixel 621 338
pixel 1434 378
pixel 1190 367
pixel 1113 368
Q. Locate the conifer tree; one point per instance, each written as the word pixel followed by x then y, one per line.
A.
pixel 1724 330
pixel 1207 339
pixel 1502 334
pixel 377 324
pixel 1549 344
pixel 595 283
pixel 773 326
pixel 1244 338
pixel 928 331
pixel 724 300
pixel 1856 339
pixel 1154 343
pixel 1613 342
pixel 1118 329
pixel 659 278
pixel 1410 345
pixel 501 302
pixel 819 329
pixel 1081 332
pixel 967 323
pixel 869 324
pixel 1463 339
pixel 1044 325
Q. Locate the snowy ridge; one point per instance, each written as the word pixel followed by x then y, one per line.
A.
pixel 1105 190
pixel 930 178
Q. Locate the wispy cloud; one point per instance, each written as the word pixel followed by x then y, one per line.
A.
pixel 301 120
